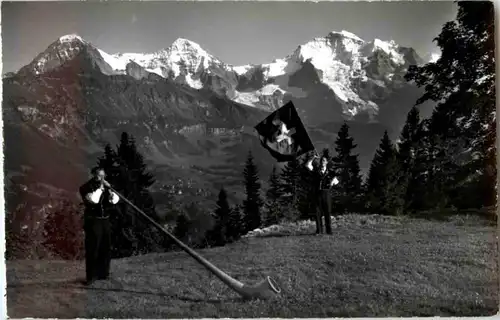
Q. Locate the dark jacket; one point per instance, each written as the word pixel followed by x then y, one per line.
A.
pixel 103 207
pixel 322 180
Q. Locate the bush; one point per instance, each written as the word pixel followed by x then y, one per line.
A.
pixel 63 231
pixel 24 233
pixel 192 225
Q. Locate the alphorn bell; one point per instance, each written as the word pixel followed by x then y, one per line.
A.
pixel 266 289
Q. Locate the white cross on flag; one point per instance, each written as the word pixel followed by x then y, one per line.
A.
pixel 283 134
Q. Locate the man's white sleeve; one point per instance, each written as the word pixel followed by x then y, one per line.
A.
pixel 94 196
pixel 310 166
pixel 114 198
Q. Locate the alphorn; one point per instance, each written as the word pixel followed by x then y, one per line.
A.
pixel 265 289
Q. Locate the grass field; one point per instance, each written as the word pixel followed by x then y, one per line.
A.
pixel 370 266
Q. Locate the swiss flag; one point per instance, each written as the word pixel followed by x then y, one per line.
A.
pixel 283 134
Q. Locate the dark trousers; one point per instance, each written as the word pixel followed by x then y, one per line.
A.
pixel 324 210
pixel 97 248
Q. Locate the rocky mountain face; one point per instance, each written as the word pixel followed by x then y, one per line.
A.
pixel 191 114
pixel 56 125
pixel 333 78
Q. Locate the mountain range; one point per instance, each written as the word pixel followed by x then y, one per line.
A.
pixel 192 114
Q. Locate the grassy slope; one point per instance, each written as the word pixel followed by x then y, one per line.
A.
pixel 368 267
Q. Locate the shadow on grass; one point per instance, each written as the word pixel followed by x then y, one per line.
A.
pixel 284 235
pixel 78 283
pixel 165 295
pixel 46 284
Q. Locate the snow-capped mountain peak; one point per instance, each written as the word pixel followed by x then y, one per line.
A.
pixel 182 44
pixel 72 38
pixel 343 62
pixel 189 53
pixel 63 49
pixel 345 34
pixel 388 47
pixel 356 73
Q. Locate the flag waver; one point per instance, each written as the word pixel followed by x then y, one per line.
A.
pixel 283 134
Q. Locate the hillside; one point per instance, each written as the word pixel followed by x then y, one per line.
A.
pixel 371 266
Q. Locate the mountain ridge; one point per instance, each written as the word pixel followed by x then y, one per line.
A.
pixel 345 64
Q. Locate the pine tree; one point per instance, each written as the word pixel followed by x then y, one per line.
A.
pixel 432 176
pixel 273 195
pixel 444 167
pixel 199 224
pixel 419 171
pixel 383 193
pixel 127 172
pixel 109 162
pixel 134 163
pixel 235 224
pixel 253 202
pixel 218 235
pixel 407 152
pixel 326 153
pixel 181 229
pixel 407 140
pixel 150 239
pixel 462 82
pixel 290 179
pixel 346 165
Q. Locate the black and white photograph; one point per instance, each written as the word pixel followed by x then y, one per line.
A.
pixel 250 159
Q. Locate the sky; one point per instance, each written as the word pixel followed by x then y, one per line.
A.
pixel 238 33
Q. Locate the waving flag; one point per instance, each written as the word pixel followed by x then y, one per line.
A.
pixel 283 134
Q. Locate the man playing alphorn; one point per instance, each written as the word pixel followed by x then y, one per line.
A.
pixel 99 201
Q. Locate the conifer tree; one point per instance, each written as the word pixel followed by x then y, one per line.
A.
pixel 199 223
pixel 326 153
pixel 407 140
pixel 346 165
pixel 290 179
pixel 273 195
pixel 150 238
pixel 432 177
pixel 181 229
pixel 133 161
pixel 218 235
pixel 419 177
pixel 127 172
pixel 406 154
pixel 109 162
pixel 235 224
pixel 383 193
pixel 253 202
